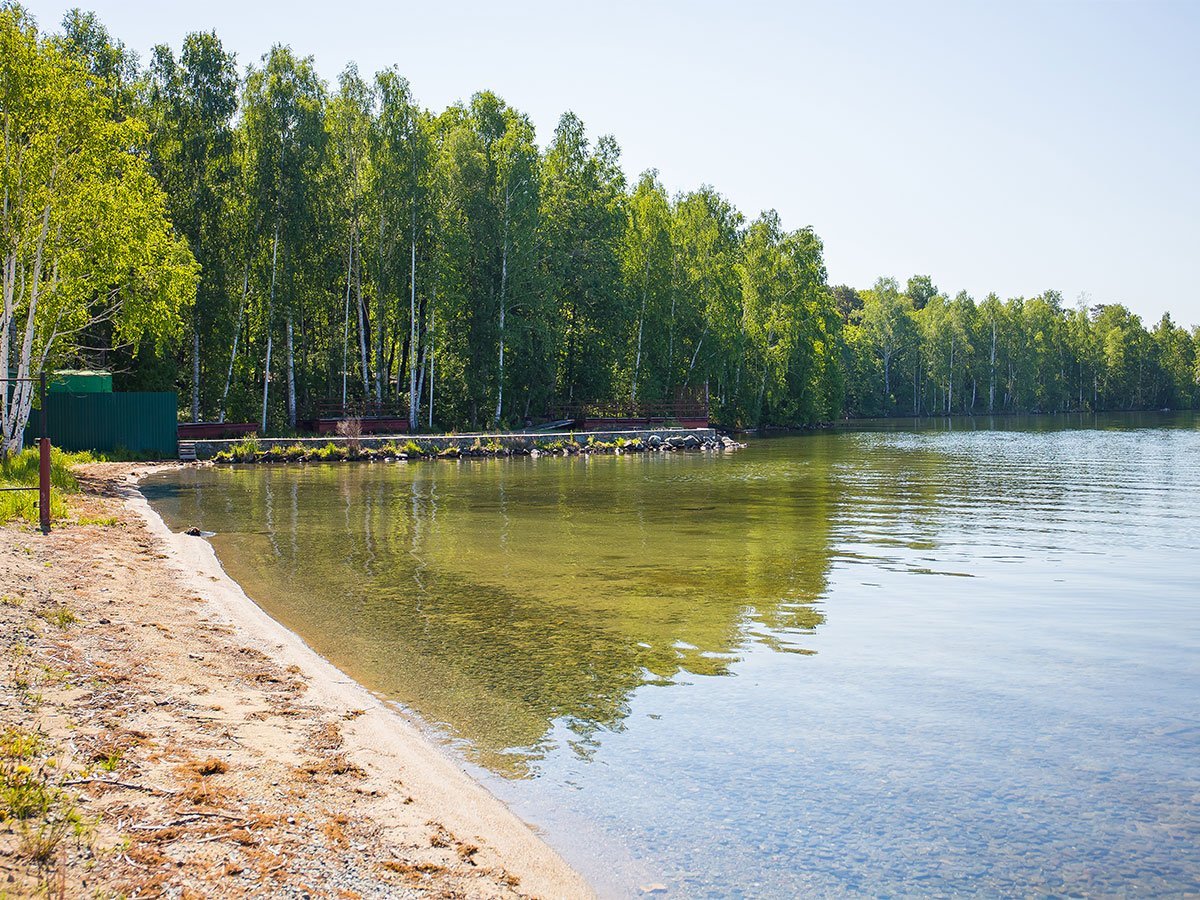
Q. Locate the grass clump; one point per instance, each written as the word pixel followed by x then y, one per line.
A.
pixel 60 616
pixel 110 760
pixel 31 798
pixel 245 450
pixel 21 470
pixel 330 452
pixel 412 448
pixel 102 521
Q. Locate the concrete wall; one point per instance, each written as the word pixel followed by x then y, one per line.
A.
pixel 521 441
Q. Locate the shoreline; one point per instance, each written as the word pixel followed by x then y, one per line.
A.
pixel 380 739
pixel 162 660
pixel 404 447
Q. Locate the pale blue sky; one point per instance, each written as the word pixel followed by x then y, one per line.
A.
pixel 996 146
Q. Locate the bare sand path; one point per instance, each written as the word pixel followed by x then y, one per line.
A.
pixel 204 750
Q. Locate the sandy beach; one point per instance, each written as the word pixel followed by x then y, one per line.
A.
pixel 181 742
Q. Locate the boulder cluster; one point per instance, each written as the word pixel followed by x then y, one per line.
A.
pixel 254 451
pixel 653 444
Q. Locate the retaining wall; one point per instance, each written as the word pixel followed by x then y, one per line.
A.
pixel 519 441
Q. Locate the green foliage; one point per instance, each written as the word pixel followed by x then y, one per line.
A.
pixel 21 469
pixel 954 356
pixel 355 245
pixel 245 450
pixel 92 256
pixel 191 106
pixel 330 452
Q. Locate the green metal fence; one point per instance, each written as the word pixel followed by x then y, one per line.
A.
pixel 140 422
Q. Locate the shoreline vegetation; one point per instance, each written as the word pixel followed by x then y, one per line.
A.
pixel 160 734
pixel 252 450
pixel 272 245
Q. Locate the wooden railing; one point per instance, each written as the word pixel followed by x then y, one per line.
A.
pixel 388 417
pixel 360 409
pixel 689 406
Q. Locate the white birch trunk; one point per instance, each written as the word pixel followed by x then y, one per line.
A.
pixel 270 312
pixel 950 380
pixel 196 369
pixel 992 366
pixel 379 308
pixel 503 286
pixel 695 356
pixel 291 373
pixel 432 351
pixel 412 324
pixel 637 359
pixel 22 396
pixel 237 331
pixel 346 321
pixel 362 323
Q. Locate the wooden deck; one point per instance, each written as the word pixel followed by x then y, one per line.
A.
pixel 207 431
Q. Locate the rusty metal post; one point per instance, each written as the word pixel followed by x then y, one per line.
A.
pixel 44 484
pixel 44 466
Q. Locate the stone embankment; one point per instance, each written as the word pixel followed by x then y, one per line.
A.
pixel 395 448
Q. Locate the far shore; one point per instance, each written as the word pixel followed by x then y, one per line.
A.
pixel 196 747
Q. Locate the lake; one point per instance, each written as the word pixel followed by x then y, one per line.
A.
pixel 904 658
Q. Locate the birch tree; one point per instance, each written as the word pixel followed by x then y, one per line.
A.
pixel 886 323
pixel 511 160
pixel 284 122
pixel 192 103
pixel 350 122
pixel 647 257
pixel 84 235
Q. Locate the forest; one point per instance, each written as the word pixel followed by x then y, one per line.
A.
pixel 264 242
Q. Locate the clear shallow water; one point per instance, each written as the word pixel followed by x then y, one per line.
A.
pixel 896 661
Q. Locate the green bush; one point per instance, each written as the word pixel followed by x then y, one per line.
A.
pixel 330 452
pixel 245 450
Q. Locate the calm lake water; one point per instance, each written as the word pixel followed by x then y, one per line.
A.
pixel 905 660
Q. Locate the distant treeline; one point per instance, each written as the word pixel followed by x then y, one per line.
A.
pixel 354 244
